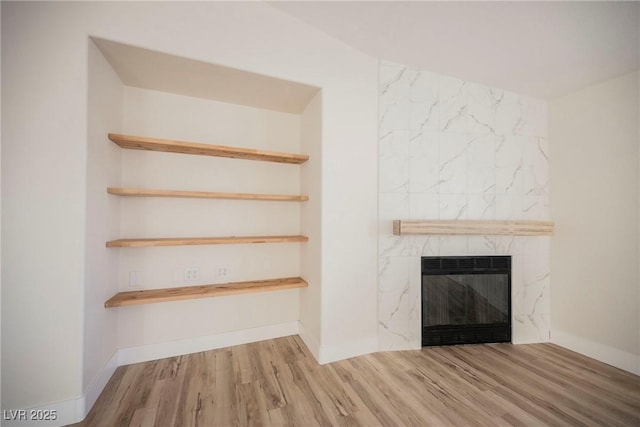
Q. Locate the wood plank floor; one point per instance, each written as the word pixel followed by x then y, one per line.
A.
pixel 278 383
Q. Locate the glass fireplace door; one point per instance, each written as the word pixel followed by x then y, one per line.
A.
pixel 466 303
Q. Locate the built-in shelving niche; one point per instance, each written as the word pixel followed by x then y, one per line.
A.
pixel 155 71
pixel 201 291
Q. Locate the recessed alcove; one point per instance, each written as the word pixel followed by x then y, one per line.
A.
pixel 135 91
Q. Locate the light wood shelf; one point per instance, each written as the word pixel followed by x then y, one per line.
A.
pixel 147 192
pixel 202 291
pixel 184 147
pixel 456 227
pixel 187 241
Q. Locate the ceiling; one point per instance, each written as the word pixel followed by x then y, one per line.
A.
pixel 540 49
pixel 149 69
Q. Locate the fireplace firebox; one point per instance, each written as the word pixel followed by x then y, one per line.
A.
pixel 466 300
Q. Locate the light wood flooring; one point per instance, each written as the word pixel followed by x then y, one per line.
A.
pixel 278 382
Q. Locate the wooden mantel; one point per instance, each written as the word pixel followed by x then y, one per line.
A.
pixel 479 227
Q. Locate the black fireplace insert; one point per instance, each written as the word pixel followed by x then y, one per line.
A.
pixel 466 300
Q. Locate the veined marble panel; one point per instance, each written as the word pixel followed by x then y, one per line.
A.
pixel 481 206
pixel 399 297
pixel 452 206
pixel 423 206
pixel 424 162
pixel 451 149
pixel 481 164
pixel 393 301
pixel 509 206
pixel 453 105
pixel 483 104
pixel 424 104
pixel 393 161
pixel 394 97
pixel 453 172
pixel 510 118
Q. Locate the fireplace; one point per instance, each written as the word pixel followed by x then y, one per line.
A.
pixel 466 300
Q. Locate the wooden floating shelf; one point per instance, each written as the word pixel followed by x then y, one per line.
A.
pixel 184 147
pixel 455 227
pixel 202 291
pixel 187 241
pixel 143 192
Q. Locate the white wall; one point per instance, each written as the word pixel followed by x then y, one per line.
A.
pixel 164 115
pixel 44 134
pixel 311 224
pixel 349 170
pixel 594 194
pixel 0 213
pixel 44 182
pixel 104 115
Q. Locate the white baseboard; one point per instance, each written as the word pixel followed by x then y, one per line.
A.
pixel 144 353
pixel 310 341
pixel 327 354
pixel 66 412
pixel 333 353
pixel 75 410
pixel 612 356
pixel 98 384
pixel 58 414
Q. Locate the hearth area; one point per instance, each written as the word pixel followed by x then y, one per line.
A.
pixel 466 300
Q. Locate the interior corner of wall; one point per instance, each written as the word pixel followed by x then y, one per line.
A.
pixel 310 341
pixel 604 353
pixel 95 387
pixel 342 351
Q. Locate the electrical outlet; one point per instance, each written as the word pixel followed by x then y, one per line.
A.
pixel 223 273
pixel 191 274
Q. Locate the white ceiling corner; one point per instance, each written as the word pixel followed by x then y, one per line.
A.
pixel 148 69
pixel 541 49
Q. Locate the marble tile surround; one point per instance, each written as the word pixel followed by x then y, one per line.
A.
pixel 451 149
